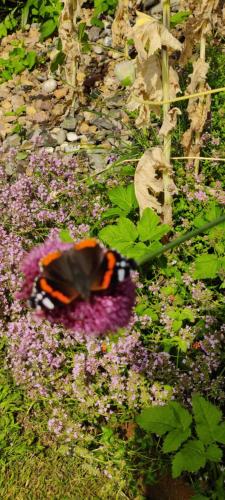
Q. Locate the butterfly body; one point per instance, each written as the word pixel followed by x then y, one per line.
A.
pixel 76 273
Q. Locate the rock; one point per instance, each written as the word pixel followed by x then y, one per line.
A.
pixel 59 135
pixel 12 141
pixel 97 49
pixel 49 85
pixel 6 105
pixel 103 123
pixel 97 160
pixel 49 149
pixel 84 128
pixel 58 109
pixel 69 123
pixel 40 117
pixel 72 136
pixel 108 41
pixel 17 101
pixel 59 93
pixel 93 34
pixel 31 110
pixel 69 148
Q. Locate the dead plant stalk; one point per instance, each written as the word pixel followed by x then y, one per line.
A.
pixel 166 107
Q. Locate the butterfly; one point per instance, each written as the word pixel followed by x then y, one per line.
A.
pixel 84 268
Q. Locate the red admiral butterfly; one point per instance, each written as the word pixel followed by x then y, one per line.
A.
pixel 74 273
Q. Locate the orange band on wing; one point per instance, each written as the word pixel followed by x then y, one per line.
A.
pixel 89 243
pixel 108 274
pixel 45 261
pixel 54 293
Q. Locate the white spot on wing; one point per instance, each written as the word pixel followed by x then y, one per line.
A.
pixel 48 303
pixel 121 274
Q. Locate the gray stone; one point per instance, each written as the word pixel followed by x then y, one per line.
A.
pixel 69 148
pixel 72 136
pixel 103 123
pixel 49 85
pixel 69 123
pixel 12 141
pixel 59 135
pixel 97 49
pixel 93 34
pixel 108 41
pixel 98 160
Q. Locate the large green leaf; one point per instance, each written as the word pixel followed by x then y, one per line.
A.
pixel 206 266
pixel 214 453
pixel 123 197
pixel 207 417
pixel 190 458
pixel 124 232
pixel 157 419
pixel 174 439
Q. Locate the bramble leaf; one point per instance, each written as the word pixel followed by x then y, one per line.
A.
pixel 123 197
pixel 174 439
pixel 207 417
pixel 214 453
pixel 190 458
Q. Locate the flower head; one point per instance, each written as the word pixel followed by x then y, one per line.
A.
pixel 104 312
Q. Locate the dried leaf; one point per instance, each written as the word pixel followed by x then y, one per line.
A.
pixel 149 35
pixel 198 110
pixel 198 77
pixel 147 86
pixel 170 121
pixel 121 24
pixel 174 86
pixel 67 34
pixel 148 180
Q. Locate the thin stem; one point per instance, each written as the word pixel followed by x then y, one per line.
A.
pixel 191 234
pixel 183 97
pixel 166 106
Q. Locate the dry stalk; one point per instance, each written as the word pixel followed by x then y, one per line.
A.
pixel 166 107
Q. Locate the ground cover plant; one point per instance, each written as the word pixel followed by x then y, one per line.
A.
pixel 84 415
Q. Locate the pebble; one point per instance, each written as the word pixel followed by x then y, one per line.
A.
pixel 49 85
pixel 97 49
pixel 93 34
pixel 69 148
pixel 108 41
pixel 12 141
pixel 69 123
pixel 59 135
pixel 72 136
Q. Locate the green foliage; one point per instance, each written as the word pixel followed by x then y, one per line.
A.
pixel 65 236
pixel 45 12
pixel 103 7
pixel 19 59
pixel 179 18
pixel 131 239
pixel 211 265
pixel 124 200
pixel 176 423
pixel 8 24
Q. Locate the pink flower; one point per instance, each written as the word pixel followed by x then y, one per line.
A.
pixel 104 312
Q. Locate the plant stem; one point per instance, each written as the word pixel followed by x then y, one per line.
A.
pixel 201 99
pixel 167 139
pixel 182 97
pixel 191 234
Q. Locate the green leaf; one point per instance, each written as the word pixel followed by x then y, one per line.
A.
pixel 136 251
pixel 123 232
pixel 179 17
pixel 47 28
pixel 22 155
pixel 207 417
pixel 147 224
pixel 174 439
pixel 30 59
pixel 123 197
pixel 157 419
pixel 220 433
pixel 190 458
pixel 199 497
pixel 206 266
pixel 65 236
pixel 112 212
pixel 214 453
pixel 57 61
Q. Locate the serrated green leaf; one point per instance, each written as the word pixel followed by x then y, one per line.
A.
pixel 147 224
pixel 65 236
pixel 174 439
pixel 157 419
pixel 113 212
pixel 179 17
pixel 137 251
pixel 123 197
pixel 219 433
pixel 207 417
pixel 214 453
pixel 190 458
pixel 124 232
pixel 206 266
